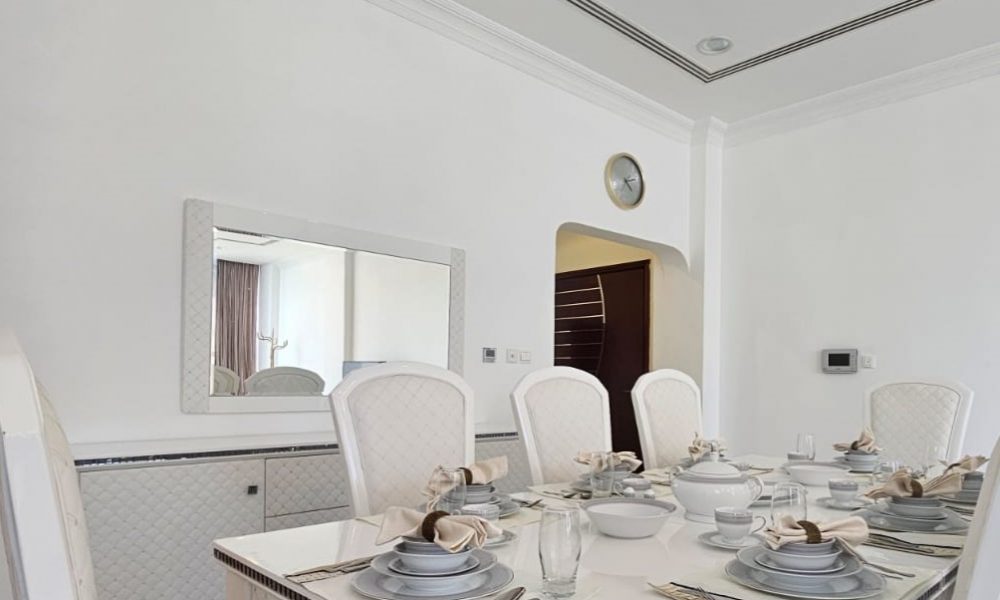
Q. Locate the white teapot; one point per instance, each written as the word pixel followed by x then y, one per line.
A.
pixel 710 484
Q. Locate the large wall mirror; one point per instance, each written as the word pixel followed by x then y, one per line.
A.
pixel 278 310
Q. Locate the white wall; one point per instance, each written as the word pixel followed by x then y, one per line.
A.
pixel 331 110
pixel 879 231
pixel 311 316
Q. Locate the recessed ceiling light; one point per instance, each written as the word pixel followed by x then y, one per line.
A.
pixel 715 45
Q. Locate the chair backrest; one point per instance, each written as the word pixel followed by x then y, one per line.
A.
pixel 981 555
pixel 667 406
pixel 45 534
pixel 395 423
pixel 284 381
pixel 224 381
pixel 560 411
pixel 908 416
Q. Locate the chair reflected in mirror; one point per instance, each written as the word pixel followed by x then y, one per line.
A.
pixel 284 381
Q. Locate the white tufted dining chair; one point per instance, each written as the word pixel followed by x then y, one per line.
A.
pixel 395 423
pixel 977 569
pixel 667 406
pixel 284 381
pixel 560 411
pixel 44 531
pixel 225 381
pixel 907 417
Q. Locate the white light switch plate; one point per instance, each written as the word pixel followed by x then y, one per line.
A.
pixel 513 355
pixel 868 361
pixel 525 356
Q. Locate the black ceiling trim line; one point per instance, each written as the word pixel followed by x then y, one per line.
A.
pixel 648 41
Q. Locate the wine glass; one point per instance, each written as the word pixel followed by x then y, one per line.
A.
pixel 451 486
pixel 789 499
pixel 932 456
pixel 805 445
pixel 884 469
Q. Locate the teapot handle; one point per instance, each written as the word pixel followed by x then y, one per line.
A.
pixel 756 487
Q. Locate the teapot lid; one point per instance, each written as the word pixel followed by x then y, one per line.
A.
pixel 710 469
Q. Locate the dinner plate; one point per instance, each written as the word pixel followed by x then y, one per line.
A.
pixel 959 501
pixel 483 560
pixel 889 522
pixel 396 566
pixel 886 509
pixel 757 558
pixel 372 584
pixel 829 502
pixel 855 467
pixel 715 539
pixel 863 584
pixel 503 539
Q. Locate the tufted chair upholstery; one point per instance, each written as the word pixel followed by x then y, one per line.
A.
pixel 907 417
pixel 225 382
pixel 668 414
pixel 284 381
pixel 45 534
pixel 395 423
pixel 982 547
pixel 560 411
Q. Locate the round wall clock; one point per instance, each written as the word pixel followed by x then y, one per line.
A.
pixel 623 180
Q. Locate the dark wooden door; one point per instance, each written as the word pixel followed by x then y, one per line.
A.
pixel 602 327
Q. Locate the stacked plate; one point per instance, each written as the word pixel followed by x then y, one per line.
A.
pixel 972 483
pixel 487 494
pixel 819 571
pixel 860 462
pixel 420 569
pixel 582 483
pixel 927 515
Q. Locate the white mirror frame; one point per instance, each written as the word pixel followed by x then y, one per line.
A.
pixel 200 219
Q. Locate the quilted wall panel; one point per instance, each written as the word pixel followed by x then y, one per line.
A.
pixel 306 483
pixel 151 529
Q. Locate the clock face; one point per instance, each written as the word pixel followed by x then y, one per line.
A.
pixel 623 179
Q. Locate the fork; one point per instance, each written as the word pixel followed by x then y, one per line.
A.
pixel 328 571
pixel 847 548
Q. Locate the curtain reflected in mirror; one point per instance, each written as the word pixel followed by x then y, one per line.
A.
pixel 291 318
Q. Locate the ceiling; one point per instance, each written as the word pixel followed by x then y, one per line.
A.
pixel 263 250
pixel 784 51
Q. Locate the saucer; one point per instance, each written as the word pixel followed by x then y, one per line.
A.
pixel 829 502
pixel 715 539
pixel 503 539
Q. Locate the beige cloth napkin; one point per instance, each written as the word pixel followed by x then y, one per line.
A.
pixel 699 447
pixel 864 443
pixel 903 484
pixel 852 530
pixel 483 472
pixel 598 464
pixel 966 464
pixel 452 533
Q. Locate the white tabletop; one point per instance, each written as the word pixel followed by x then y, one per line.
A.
pixel 610 568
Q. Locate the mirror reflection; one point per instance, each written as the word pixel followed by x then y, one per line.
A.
pixel 291 318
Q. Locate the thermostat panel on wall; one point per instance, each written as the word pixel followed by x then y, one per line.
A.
pixel 840 361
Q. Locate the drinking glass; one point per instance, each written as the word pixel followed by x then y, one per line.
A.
pixel 805 444
pixel 884 470
pixel 452 484
pixel 932 456
pixel 791 499
pixel 602 483
pixel 559 546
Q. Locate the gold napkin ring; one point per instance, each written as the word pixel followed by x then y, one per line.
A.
pixel 813 535
pixel 468 475
pixel 427 527
pixel 918 490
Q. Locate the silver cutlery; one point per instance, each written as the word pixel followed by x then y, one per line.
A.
pixel 328 571
pixel 511 594
pixel 679 591
pixel 884 569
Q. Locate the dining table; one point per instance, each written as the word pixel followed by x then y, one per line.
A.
pixel 257 565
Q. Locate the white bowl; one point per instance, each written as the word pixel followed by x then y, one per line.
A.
pixel 431 562
pixel 824 547
pixel 923 510
pixel 802 560
pixel 628 517
pixel 816 474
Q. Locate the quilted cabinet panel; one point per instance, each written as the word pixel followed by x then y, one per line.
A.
pixel 151 528
pixel 306 483
pixel 519 476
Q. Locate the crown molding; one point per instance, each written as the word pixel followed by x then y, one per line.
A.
pixel 932 77
pixel 475 31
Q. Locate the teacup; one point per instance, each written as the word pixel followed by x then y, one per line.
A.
pixel 843 491
pixel 735 524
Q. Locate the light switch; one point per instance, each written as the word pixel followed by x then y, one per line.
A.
pixel 525 356
pixel 868 361
pixel 513 355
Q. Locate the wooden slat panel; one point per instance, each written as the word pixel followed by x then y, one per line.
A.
pixel 579 351
pixel 595 309
pixel 593 295
pixel 575 324
pixel 580 337
pixel 576 283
